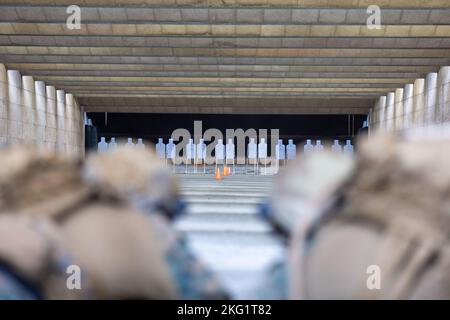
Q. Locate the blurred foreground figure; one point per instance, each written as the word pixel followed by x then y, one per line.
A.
pixel 372 227
pixel 108 217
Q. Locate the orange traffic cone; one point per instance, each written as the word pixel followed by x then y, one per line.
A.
pixel 225 171
pixel 218 177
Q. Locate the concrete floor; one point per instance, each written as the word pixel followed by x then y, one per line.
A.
pixel 225 231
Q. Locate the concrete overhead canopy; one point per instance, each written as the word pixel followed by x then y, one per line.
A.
pixel 226 56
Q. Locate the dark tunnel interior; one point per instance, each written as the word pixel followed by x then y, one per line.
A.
pixel 151 126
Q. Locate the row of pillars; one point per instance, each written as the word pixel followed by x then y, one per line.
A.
pixel 37 114
pixel 424 103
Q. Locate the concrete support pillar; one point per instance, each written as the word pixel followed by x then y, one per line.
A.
pixel 3 106
pixel 419 102
pixel 422 104
pixel 70 134
pixel 29 110
pixel 79 122
pixel 430 98
pixel 382 113
pixel 370 119
pixel 15 110
pixel 51 122
pixel 390 111
pixel 60 120
pixel 408 96
pixel 41 109
pixel 379 114
pixel 398 110
pixel 36 114
pixel 374 116
pixel 443 96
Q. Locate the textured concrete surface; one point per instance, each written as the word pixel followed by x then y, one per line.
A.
pixel 390 111
pixel 35 114
pixel 224 229
pixel 408 103
pixel 420 104
pixel 155 50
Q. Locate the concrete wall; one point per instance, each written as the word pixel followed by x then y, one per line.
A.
pixel 35 114
pixel 425 103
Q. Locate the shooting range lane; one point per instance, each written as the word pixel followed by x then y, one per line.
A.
pixel 224 229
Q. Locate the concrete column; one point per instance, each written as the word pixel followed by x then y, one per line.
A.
pixel 398 110
pixel 443 97
pixel 79 118
pixel 15 110
pixel 418 102
pixel 29 110
pixel 41 107
pixel 390 111
pixel 69 124
pixel 378 116
pixel 60 120
pixel 74 137
pixel 430 98
pixel 374 116
pixel 382 113
pixel 3 106
pixel 51 123
pixel 371 118
pixel 35 114
pixel 408 93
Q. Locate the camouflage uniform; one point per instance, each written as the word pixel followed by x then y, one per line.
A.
pixel 157 195
pixel 386 210
pixel 13 288
pixel 112 214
